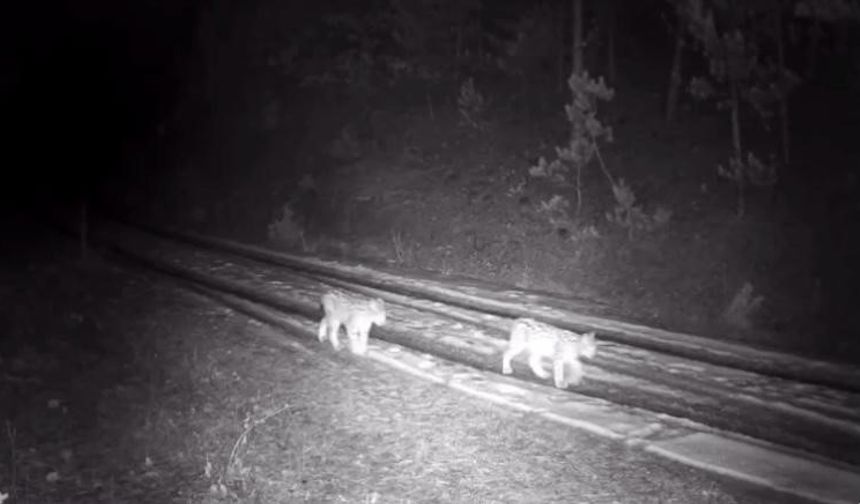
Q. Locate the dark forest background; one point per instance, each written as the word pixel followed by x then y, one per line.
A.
pixel 690 163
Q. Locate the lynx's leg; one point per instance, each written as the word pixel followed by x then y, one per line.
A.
pixel 558 374
pixel 354 336
pixel 354 332
pixel 535 364
pixel 333 331
pixel 506 362
pixel 323 330
pixel 576 368
pixel 327 303
pixel 514 348
pixel 363 336
pixel 516 345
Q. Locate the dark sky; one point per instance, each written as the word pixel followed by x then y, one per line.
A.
pixel 80 77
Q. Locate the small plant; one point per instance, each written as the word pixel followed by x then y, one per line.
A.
pixel 741 76
pixel 583 146
pixel 743 306
pixel 13 477
pixel 446 269
pixel 83 228
pixel 471 104
pixel 516 190
pixel 750 172
pixel 403 254
pixel 236 474
pixel 346 147
pixel 630 215
pixel 585 129
pixel 284 229
pixel 554 170
pixel 557 211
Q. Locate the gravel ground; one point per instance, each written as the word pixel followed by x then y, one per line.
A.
pixel 117 386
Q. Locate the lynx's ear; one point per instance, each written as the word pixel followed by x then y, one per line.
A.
pixel 589 337
pixel 377 304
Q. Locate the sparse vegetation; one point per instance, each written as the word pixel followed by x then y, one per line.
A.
pixel 471 104
pixel 749 172
pixel 236 478
pixel 733 39
pixel 630 216
pixel 473 138
pixel 585 128
pixel 402 251
pixel 284 229
pixel 177 399
pixel 743 306
pixel 450 124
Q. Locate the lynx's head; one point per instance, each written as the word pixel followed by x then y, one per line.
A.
pixel 588 345
pixel 376 307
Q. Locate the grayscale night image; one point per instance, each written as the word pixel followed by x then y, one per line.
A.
pixel 430 251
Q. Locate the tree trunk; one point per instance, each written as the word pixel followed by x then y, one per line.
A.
pixel 611 24
pixel 601 38
pixel 83 229
pixel 674 91
pixel 560 26
pixel 577 37
pixel 812 48
pixel 458 41
pixel 783 99
pixel 576 130
pixel 738 149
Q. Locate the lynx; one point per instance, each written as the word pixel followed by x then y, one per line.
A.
pixel 356 314
pixel 543 340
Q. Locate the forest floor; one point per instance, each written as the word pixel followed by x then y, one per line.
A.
pixel 119 386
